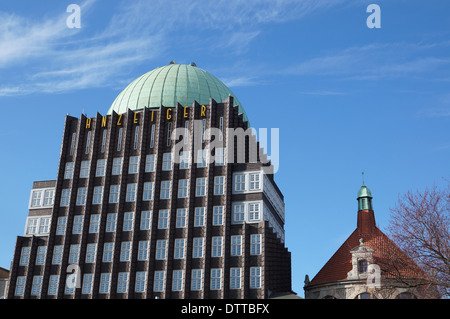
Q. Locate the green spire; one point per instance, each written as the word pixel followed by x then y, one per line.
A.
pixel 364 198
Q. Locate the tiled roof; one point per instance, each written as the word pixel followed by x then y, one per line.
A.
pixel 340 263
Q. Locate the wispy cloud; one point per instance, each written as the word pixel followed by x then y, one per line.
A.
pixel 65 59
pixel 376 61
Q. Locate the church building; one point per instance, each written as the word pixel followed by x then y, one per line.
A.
pixel 368 265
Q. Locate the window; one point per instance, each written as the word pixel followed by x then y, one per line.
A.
pixel 65 197
pixel 81 196
pixel 158 282
pixel 131 193
pixel 169 133
pixel 179 248
pixel 202 158
pixel 254 181
pixel 68 172
pixel 101 168
pixel 219 157
pixel 216 279
pixel 119 139
pixel 102 150
pixel 221 128
pixel 70 284
pixel 254 212
pixel 183 188
pixel 196 279
pixel 236 245
pixel 114 194
pixel 200 187
pixel 362 266
pixel 143 250
pixel 98 195
pixel 122 282
pixel 88 280
pixel 91 251
pixel 77 224
pixel 199 217
pixel 185 159
pixel 219 185
pixel 111 222
pixel 161 247
pixel 32 226
pixel 128 221
pixel 44 225
pixel 238 213
pixel 146 217
pixel 94 223
pixel 152 136
pixel 255 277
pixel 108 251
pixel 25 256
pixel 36 286
pixel 133 166
pixel 40 257
pixel 136 137
pixel 177 280
pixel 20 286
pixel 203 130
pixel 163 219
pixel 117 166
pixel 216 249
pixel 255 244
pixel 105 279
pixel 141 281
pixel 72 144
pixel 181 218
pixel 239 183
pixel 88 142
pixel 235 278
pixel 84 170
pixel 57 254
pixel 148 191
pixel 150 163
pixel 217 215
pixel 53 285
pixel 36 198
pixel 125 251
pixel 197 247
pixel 167 162
pixel 61 225
pixel 165 190
pixel 74 254
pixel 49 197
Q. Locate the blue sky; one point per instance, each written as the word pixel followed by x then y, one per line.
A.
pixel 346 98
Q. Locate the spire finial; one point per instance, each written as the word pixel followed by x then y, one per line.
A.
pixel 363 178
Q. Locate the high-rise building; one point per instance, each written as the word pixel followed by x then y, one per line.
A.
pixel 168 195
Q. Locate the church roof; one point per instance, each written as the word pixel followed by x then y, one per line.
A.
pixel 338 266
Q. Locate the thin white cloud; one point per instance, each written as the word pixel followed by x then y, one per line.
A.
pixel 71 59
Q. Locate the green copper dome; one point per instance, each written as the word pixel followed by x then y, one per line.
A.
pixel 172 84
pixel 364 199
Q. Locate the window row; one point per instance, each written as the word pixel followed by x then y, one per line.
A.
pixel 145 222
pixel 143 253
pixel 147 194
pixel 159 281
pixel 168 160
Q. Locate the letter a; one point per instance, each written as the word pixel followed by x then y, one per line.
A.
pixel 74 20
pixel 374 20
